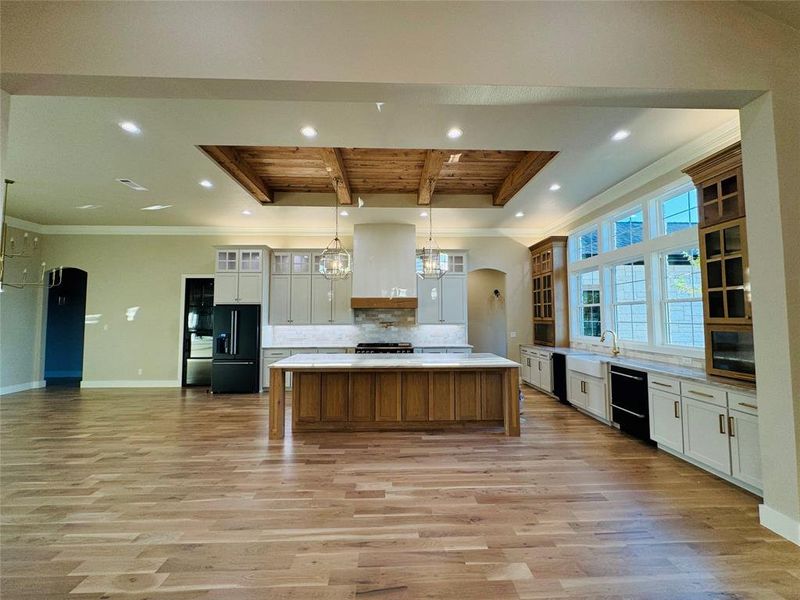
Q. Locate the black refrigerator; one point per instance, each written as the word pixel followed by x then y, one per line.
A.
pixel 237 345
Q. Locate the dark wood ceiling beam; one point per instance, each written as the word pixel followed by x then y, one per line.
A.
pixel 227 157
pixel 434 159
pixel 530 164
pixel 334 165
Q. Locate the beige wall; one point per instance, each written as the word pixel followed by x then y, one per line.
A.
pixel 487 312
pixel 145 271
pixel 21 321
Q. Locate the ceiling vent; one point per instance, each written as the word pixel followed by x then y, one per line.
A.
pixel 133 185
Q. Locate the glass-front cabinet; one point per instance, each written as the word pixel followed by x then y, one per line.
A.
pixel 731 351
pixel 726 282
pixel 549 289
pixel 721 198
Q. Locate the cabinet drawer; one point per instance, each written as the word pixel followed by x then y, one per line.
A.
pixel 704 393
pixel 743 402
pixel 273 355
pixel 663 384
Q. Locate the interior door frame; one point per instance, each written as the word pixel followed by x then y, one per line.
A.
pixel 182 306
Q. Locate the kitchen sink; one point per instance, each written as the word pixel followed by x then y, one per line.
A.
pixel 588 364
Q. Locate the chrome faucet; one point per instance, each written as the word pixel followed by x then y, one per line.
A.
pixel 614 348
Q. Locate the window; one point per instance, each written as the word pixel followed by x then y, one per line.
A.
pixel 587 244
pixel 679 212
pixel 589 303
pixel 628 230
pixel 630 301
pixel 683 306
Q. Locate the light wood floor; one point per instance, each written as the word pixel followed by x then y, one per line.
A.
pixel 164 494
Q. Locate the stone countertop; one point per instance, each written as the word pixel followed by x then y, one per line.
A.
pixel 654 366
pixel 300 362
pixel 298 346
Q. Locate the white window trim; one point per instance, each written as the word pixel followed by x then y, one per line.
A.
pixel 660 229
pixel 652 246
pixel 575 300
pixel 647 299
pixel 575 246
pixel 662 299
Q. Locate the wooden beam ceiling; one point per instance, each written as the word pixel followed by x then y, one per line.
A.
pixel 334 165
pixel 228 158
pixel 263 171
pixel 434 159
pixel 530 165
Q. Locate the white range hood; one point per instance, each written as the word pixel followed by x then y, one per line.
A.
pixel 384 266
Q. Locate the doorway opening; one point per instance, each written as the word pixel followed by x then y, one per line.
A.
pixel 66 321
pixel 486 307
pixel 198 326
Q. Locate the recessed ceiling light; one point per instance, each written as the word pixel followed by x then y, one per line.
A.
pixel 247 213
pixel 88 207
pixel 519 214
pixel 555 187
pixel 620 135
pixel 130 127
pixel 206 184
pixel 157 207
pixel 423 214
pixel 343 213
pixel 454 133
pixel 308 131
pixel 133 185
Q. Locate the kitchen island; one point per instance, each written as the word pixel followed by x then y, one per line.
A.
pixel 395 392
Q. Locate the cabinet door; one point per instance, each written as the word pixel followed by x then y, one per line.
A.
pixel 454 299
pixel 250 261
pixel 595 392
pixel 705 434
pixel 525 369
pixel 321 301
pixel 227 261
pixel 546 375
pixel 575 389
pixel 226 288
pixel 342 293
pixel 281 263
pixel 279 290
pixel 666 427
pixel 428 298
pixel 251 287
pixel 300 300
pixel 301 263
pixel 745 449
pixel 458 264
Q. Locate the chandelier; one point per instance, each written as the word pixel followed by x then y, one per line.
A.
pixel 432 263
pixel 335 262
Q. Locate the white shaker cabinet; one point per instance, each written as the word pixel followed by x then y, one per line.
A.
pixel 239 275
pixel 444 301
pixel 745 449
pixel 300 300
pixel 279 298
pixel 705 434
pixel 666 424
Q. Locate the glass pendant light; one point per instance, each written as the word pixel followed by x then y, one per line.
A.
pixel 335 262
pixel 432 263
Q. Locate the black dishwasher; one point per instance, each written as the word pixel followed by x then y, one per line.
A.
pixel 629 405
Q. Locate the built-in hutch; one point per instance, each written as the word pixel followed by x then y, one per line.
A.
pixel 550 292
pixel 724 264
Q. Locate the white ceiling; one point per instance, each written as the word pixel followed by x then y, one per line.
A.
pixel 67 151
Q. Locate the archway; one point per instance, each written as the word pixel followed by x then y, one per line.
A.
pixel 486 299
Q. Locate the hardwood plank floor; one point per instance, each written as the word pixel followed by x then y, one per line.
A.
pixel 171 494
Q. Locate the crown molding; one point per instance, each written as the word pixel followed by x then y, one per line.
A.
pixel 441 232
pixel 713 141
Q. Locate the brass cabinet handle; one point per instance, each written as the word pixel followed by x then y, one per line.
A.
pixel 722 424
pixel 748 405
pixel 701 394
pixel 730 427
pixel 677 410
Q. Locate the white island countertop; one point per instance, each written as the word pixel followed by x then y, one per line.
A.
pixel 300 362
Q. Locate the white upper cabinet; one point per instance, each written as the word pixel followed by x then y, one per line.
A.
pixel 453 302
pixel 301 263
pixel 279 298
pixel 444 301
pixel 342 293
pixel 239 275
pixel 300 300
pixel 281 263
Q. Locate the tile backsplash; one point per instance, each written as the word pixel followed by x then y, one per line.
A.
pixel 383 326
pixel 673 359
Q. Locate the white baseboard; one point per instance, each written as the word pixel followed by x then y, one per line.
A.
pixel 779 523
pixel 132 383
pixel 21 387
